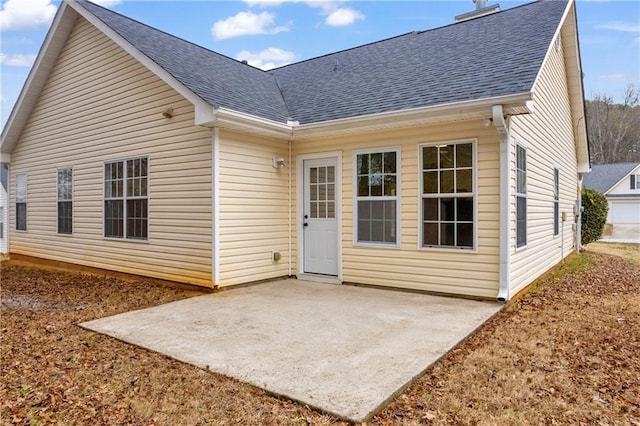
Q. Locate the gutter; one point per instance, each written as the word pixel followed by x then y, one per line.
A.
pixel 208 116
pixel 504 292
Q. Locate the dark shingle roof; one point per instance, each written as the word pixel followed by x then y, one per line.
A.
pixel 217 79
pixel 499 54
pixel 495 55
pixel 604 176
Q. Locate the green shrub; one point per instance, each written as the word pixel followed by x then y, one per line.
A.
pixel 594 215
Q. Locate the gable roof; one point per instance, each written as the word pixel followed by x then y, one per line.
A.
pixel 603 177
pixel 458 70
pixel 217 79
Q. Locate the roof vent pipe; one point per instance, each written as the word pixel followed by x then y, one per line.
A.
pixel 480 4
pixel 481 10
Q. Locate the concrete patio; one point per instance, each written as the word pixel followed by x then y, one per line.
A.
pixel 342 349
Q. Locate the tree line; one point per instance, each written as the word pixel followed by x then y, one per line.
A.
pixel 614 128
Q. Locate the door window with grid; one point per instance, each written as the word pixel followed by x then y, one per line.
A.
pixel 322 192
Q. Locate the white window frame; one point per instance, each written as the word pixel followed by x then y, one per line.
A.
pixel 522 195
pixel 556 202
pixel 125 198
pixel 397 197
pixel 22 178
pixel 474 195
pixel 59 200
pixel 1 222
pixel 633 182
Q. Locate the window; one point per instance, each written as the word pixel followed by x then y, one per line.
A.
pixel 322 192
pixel 448 197
pixel 1 222
pixel 556 201
pixel 377 201
pixel 21 202
pixel 65 201
pixel 634 181
pixel 126 199
pixel 521 196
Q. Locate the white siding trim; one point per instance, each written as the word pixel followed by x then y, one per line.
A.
pixel 552 45
pixel 300 205
pixel 215 201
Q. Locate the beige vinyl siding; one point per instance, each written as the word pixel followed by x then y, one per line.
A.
pixel 100 104
pixel 254 214
pixel 549 138
pixel 435 270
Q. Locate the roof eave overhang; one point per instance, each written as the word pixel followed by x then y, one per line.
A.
pixel 568 31
pixel 53 44
pixel 437 114
pixel 445 113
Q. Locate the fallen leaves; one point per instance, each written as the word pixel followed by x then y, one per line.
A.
pixel 567 353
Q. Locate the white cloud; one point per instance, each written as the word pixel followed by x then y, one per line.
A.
pixel 268 3
pixel 107 3
pixel 26 14
pixel 17 60
pixel 335 16
pixel 246 23
pixel 343 17
pixel 268 58
pixel 629 27
pixel 615 77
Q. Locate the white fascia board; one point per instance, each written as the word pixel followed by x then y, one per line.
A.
pixel 456 111
pixel 201 106
pixel 230 119
pixel 576 99
pixel 5 157
pixel 47 57
pixel 521 103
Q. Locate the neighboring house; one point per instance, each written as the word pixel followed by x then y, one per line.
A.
pixel 620 183
pixel 445 161
pixel 4 214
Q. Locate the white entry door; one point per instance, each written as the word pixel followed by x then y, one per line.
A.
pixel 320 224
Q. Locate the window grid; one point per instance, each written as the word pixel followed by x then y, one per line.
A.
pixel 521 196
pixel 21 202
pixel 65 200
pixel 448 197
pixel 322 192
pixel 556 201
pixel 377 201
pixel 126 199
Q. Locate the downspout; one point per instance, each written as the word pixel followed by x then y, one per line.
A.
pixel 215 201
pixel 290 207
pixel 578 215
pixel 500 123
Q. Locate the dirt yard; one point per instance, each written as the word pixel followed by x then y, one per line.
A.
pixel 565 353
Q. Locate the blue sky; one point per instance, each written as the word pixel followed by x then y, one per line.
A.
pixel 271 33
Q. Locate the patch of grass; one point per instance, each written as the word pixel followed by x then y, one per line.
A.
pixel 573 264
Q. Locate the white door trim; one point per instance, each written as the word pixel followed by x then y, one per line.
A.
pixel 300 206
